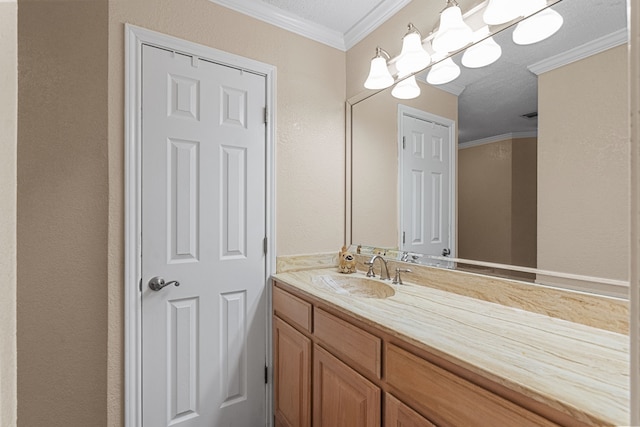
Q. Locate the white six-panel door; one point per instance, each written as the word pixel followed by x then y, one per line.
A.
pixel 203 225
pixel 425 181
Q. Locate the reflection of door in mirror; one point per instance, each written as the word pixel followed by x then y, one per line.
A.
pixel 426 177
pixel 374 164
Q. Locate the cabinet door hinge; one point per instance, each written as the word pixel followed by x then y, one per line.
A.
pixel 265 245
pixel 403 236
pixel 404 142
pixel 266 115
pixel 266 374
pixel 140 284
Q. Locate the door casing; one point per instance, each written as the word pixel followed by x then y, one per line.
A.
pixel 135 37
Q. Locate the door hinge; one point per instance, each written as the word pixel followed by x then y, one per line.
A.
pixel 266 116
pixel 140 285
pixel 266 374
pixel 265 245
pixel 403 235
pixel 404 142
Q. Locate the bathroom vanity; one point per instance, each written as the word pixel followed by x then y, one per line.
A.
pixel 355 351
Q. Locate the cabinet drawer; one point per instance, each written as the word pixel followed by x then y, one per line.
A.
pixel 450 400
pixel 291 308
pixel 358 348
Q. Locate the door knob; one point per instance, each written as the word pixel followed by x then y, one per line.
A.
pixel 157 283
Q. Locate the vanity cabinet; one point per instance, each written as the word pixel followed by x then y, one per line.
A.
pixel 333 370
pixel 448 399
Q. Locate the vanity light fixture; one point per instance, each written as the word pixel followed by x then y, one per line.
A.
pixel 413 57
pixel 538 27
pixel 483 53
pixel 406 89
pixel 502 11
pixel 443 72
pixel 379 75
pixel 453 33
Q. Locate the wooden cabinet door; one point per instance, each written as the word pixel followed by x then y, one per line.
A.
pixel 292 376
pixel 341 396
pixel 397 414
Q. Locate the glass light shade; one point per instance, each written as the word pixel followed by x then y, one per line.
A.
pixel 379 76
pixel 406 89
pixel 443 72
pixel 501 11
pixel 482 54
pixel 453 33
pixel 537 27
pixel 413 57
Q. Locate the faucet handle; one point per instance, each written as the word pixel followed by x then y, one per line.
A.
pixel 370 272
pixel 398 279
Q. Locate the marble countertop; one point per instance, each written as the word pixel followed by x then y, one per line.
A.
pixel 579 370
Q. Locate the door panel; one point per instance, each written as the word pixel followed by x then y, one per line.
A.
pixel 203 224
pixel 426 186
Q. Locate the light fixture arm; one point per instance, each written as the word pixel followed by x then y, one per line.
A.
pixel 450 3
pixel 381 53
pixel 411 29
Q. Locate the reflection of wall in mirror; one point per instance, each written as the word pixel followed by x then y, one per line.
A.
pixel 497 202
pixel 583 167
pixel 375 161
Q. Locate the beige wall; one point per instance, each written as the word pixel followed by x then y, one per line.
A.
pixel 71 181
pixel 8 132
pixel 309 142
pixel 524 193
pixel 375 161
pixel 484 202
pixel 62 213
pixel 497 202
pixel 583 164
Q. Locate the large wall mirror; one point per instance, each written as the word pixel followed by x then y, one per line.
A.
pixel 539 153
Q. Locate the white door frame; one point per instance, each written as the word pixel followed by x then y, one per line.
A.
pixel 135 37
pixel 405 110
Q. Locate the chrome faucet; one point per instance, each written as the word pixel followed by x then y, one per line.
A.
pixel 384 274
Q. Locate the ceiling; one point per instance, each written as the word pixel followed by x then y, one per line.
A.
pixel 589 26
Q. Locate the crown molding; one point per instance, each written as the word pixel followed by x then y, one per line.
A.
pixel 452 88
pixel 371 21
pixel 287 21
pixel 601 44
pixel 311 30
pixel 497 138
